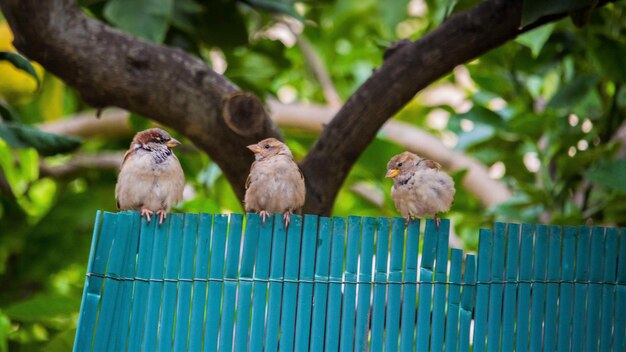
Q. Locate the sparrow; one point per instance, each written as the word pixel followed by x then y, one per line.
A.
pixel 150 178
pixel 419 188
pixel 275 183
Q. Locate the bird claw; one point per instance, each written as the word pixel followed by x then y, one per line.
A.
pixel 263 215
pixel 287 218
pixel 162 215
pixel 146 213
pixel 437 222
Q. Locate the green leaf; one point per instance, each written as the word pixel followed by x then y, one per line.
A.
pixel 7 114
pixel 148 19
pixel 573 92
pixel 42 308
pixel 609 173
pixel 19 62
pixel 276 6
pixel 482 115
pixel 536 38
pixel 5 327
pixel 63 341
pixel 608 55
pixel 532 10
pixel 183 14
pixel 18 135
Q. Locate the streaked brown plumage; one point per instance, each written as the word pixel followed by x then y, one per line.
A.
pixel 419 188
pixel 150 179
pixel 275 183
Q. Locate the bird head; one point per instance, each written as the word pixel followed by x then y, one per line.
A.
pixel 401 164
pixel 269 147
pixel 154 139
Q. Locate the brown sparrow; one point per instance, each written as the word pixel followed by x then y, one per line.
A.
pixel 150 179
pixel 419 187
pixel 275 183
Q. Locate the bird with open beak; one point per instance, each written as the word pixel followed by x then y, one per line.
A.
pixel 419 188
pixel 150 179
pixel 275 183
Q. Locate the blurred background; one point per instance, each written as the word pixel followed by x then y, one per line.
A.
pixel 537 122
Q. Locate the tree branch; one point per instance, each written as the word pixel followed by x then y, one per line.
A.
pixel 81 162
pixel 109 67
pixel 405 72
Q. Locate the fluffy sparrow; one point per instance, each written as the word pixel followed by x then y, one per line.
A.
pixel 275 183
pixel 150 179
pixel 419 187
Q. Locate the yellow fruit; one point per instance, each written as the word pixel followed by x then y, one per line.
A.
pixel 16 86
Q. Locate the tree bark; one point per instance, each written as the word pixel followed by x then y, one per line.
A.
pixel 109 67
pixel 176 89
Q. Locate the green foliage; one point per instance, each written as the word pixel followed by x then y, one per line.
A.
pixel 22 136
pixel 545 108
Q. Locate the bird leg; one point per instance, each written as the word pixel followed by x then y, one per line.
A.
pixel 437 221
pixel 162 215
pixel 264 214
pixel 146 213
pixel 287 218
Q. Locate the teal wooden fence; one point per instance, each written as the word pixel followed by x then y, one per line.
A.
pixel 204 283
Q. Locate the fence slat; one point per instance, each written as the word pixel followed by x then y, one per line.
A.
pixel 552 290
pixel 392 325
pixel 261 272
pixel 482 289
pixel 91 294
pixel 246 269
pixel 380 284
pixel 496 288
pixel 140 293
pixel 349 292
pixel 172 265
pixel 523 292
pixel 216 271
pixel 230 287
pixel 181 332
pixel 429 248
pixel 567 289
pixel 277 268
pixel 508 315
pixel 365 275
pixel 409 291
pixel 102 341
pixel 320 290
pixel 305 292
pixel 583 245
pixel 292 266
pixel 538 289
pixel 595 289
pixel 608 291
pixel 201 271
pixel 334 289
pixel 467 302
pixel 125 297
pixel 454 300
pixel 439 302
pixel 620 297
pixel 155 288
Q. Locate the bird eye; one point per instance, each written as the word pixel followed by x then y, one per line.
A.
pixel 267 146
pixel 399 164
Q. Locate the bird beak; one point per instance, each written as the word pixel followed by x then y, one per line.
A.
pixel 255 148
pixel 392 173
pixel 172 143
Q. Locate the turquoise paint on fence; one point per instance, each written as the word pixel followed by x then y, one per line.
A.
pixel 187 285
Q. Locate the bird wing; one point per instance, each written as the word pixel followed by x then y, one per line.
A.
pixel 249 179
pixel 432 164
